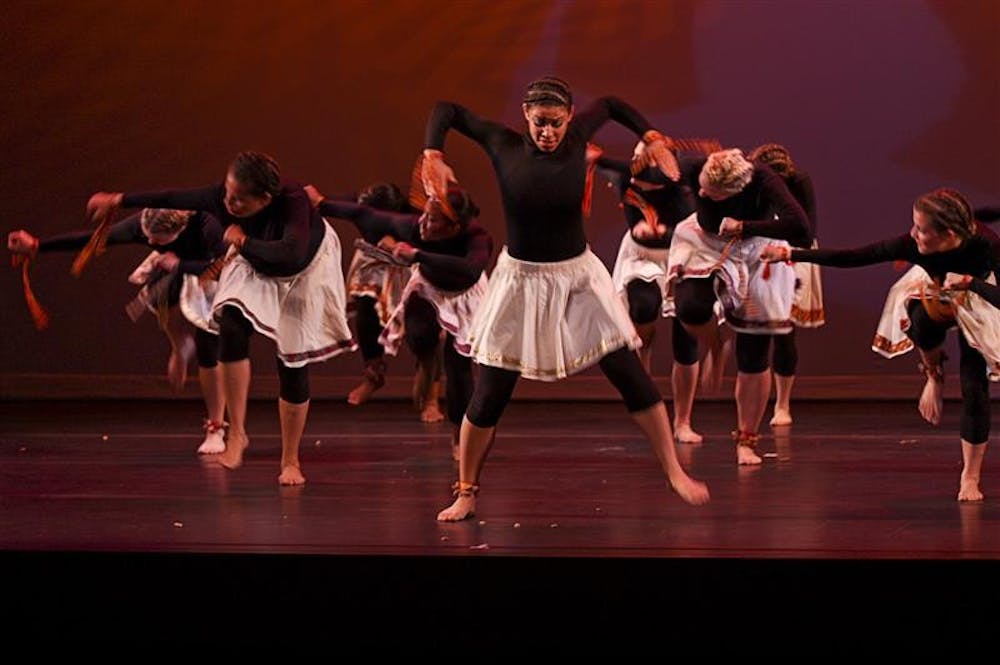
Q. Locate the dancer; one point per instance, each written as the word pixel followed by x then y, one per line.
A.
pixel 653 205
pixel 550 309
pixel 373 290
pixel 442 294
pixel 284 280
pixel 715 257
pixel 183 243
pixel 807 309
pixel 953 256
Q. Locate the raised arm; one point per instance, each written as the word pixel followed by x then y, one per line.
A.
pixel 658 147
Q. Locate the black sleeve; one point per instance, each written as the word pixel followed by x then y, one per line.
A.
pixel 211 238
pixel 470 266
pixel 789 221
pixel 588 121
pixel 205 199
pixel 986 215
pixel 899 248
pixel 446 115
pixel 801 188
pixel 989 292
pixel 371 222
pixel 293 245
pixel 128 231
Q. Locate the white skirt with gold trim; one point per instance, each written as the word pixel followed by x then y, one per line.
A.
pixel 303 313
pixel 636 261
pixel 978 320
pixel 456 310
pixel 807 308
pixel 384 283
pixel 756 297
pixel 550 320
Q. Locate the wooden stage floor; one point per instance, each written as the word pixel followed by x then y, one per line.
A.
pixel 110 519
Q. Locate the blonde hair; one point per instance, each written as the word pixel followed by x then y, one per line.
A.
pixel 947 210
pixel 728 170
pixel 163 222
pixel 775 156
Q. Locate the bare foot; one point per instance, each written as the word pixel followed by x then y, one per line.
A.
pixel 463 508
pixel 291 475
pixel 932 401
pixel 214 442
pixel 432 412
pixel 232 458
pixel 968 490
pixel 690 490
pixel 362 393
pixel 781 417
pixel 684 434
pixel 745 455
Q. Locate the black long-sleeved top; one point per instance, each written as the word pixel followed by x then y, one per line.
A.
pixel 673 201
pixel 542 192
pixel 801 187
pixel 196 246
pixel 281 239
pixel 765 206
pixel 977 256
pixel 452 264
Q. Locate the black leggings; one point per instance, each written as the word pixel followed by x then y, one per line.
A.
pixel 695 303
pixel 645 306
pixel 423 333
pixel 369 327
pixel 928 335
pixel 622 367
pixel 234 345
pixel 206 347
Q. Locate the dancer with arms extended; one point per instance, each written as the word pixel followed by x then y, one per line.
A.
pixel 284 280
pixel 550 309
pixel 442 294
pixel 182 243
pixel 955 256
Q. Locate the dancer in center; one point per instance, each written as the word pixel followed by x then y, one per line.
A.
pixel 550 309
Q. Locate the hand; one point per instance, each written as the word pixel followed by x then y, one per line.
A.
pixel 436 175
pixel 658 154
pixel 22 242
pixel 954 281
pixel 387 243
pixel 103 204
pixel 775 254
pixel 315 198
pixel 234 235
pixel 646 231
pixel 404 251
pixel 168 262
pixel 730 228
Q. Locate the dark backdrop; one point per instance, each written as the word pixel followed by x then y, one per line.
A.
pixel 879 101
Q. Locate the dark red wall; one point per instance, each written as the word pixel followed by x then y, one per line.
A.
pixel 879 101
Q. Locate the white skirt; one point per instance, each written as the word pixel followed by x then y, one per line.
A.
pixel 637 261
pixel 550 320
pixel 807 308
pixel 756 297
pixel 303 313
pixel 978 320
pixel 456 311
pixel 369 277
